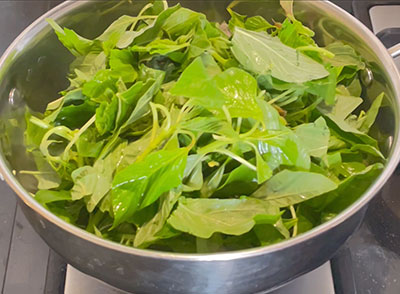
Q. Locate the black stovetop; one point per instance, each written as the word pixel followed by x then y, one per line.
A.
pixel 368 263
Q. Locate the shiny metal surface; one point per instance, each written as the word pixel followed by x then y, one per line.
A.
pixel 317 281
pixel 394 51
pixel 34 67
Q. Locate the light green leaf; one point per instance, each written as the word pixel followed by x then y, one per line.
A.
pixel 370 117
pixel 207 124
pixel 234 89
pixel 194 181
pixel 291 187
pixel 181 21
pixel 239 175
pixel 240 91
pixel 117 28
pixel 46 176
pixel 160 46
pixel 355 88
pixel 260 53
pixel 348 191
pixel 196 82
pixel 72 41
pixel 314 137
pixel 199 44
pixel 203 217
pixel 149 33
pixel 95 182
pixel 345 55
pixel 284 147
pixel 271 118
pixel 257 23
pixel 48 196
pixel 264 172
pixel 343 107
pixel 121 64
pixel 368 149
pixel 324 88
pixel 236 20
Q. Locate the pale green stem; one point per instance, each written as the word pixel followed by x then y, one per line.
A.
pixel 237 158
pixel 293 212
pixel 280 96
pixel 77 135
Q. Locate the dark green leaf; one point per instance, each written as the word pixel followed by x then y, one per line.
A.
pixel 212 183
pixel 75 116
pixel 142 183
pixel 148 233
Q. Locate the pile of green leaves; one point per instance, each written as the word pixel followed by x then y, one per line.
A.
pixel 180 134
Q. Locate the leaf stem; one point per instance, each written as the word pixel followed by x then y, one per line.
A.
pixel 294 216
pixel 155 121
pixel 192 136
pixel 282 95
pixel 140 16
pixel 239 124
pixel 316 49
pixel 227 114
pixel 77 135
pixel 252 130
pixel 237 158
pixel 39 122
pixel 218 57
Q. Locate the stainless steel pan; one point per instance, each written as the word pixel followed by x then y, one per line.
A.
pixel 33 69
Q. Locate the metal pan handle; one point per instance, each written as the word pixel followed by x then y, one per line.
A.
pixel 394 51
